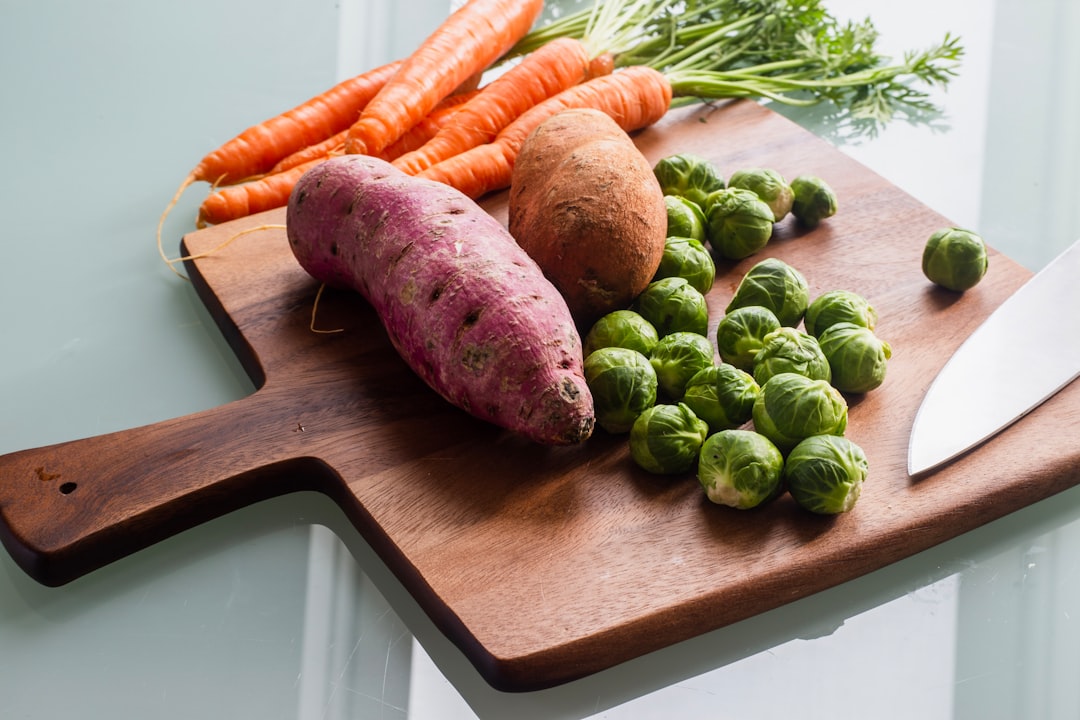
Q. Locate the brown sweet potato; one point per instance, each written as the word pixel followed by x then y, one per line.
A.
pixel 585 204
pixel 463 304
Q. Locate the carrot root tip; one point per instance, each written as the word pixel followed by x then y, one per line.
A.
pixel 187 182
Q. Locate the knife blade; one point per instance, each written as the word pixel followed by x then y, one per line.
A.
pixel 1021 355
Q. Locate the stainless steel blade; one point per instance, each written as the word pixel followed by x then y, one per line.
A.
pixel 1025 352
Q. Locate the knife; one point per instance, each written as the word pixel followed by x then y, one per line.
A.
pixel 1024 352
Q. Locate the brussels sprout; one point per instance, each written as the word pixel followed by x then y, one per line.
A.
pixel 955 258
pixel 688 176
pixel 623 385
pixel 814 200
pixel 721 395
pixel 788 350
pixel 838 306
pixel 672 304
pixel 857 357
pixel 621 328
pixel 825 474
pixel 739 222
pixel 773 284
pixel 741 333
pixel 666 439
pixel 687 258
pixel 677 358
pixel 685 218
pixel 740 468
pixel 768 185
pixel 792 407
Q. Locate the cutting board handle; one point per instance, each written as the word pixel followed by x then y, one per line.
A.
pixel 70 508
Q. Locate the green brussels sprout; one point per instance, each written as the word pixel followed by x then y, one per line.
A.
pixel 741 333
pixel 813 200
pixel 773 284
pixel 722 395
pixel 955 259
pixel 688 176
pixel 838 306
pixel 825 474
pixel 789 350
pixel 687 258
pixel 685 218
pixel 677 358
pixel 739 222
pixel 623 384
pixel 768 185
pixel 856 355
pixel 792 407
pixel 672 304
pixel 621 328
pixel 740 468
pixel 666 439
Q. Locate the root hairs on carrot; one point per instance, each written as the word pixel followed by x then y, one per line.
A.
pixel 173 262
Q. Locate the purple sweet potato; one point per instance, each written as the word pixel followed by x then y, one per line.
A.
pixel 468 310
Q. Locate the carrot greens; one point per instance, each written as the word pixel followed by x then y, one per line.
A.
pixel 790 52
pixel 834 62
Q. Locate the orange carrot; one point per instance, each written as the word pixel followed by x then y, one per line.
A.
pixel 465 43
pixel 242 200
pixel 545 72
pixel 420 134
pixel 258 148
pixel 470 84
pixel 602 64
pixel 333 145
pixel 272 190
pixel 635 97
pixel 426 129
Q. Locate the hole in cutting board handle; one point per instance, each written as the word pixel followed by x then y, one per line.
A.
pixel 68 488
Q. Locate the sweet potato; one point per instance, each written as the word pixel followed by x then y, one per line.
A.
pixel 466 308
pixel 586 205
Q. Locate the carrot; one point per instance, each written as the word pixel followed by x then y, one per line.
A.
pixel 333 145
pixel 465 43
pixel 257 196
pixel 602 64
pixel 420 134
pixel 614 27
pixel 426 129
pixel 634 98
pixel 258 148
pixel 550 69
pixel 272 190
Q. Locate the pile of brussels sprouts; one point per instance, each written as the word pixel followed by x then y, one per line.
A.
pixel 770 415
pixel 736 216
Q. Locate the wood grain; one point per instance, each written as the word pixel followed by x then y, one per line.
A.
pixel 547 564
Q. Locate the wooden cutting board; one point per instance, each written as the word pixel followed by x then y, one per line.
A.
pixel 547 564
